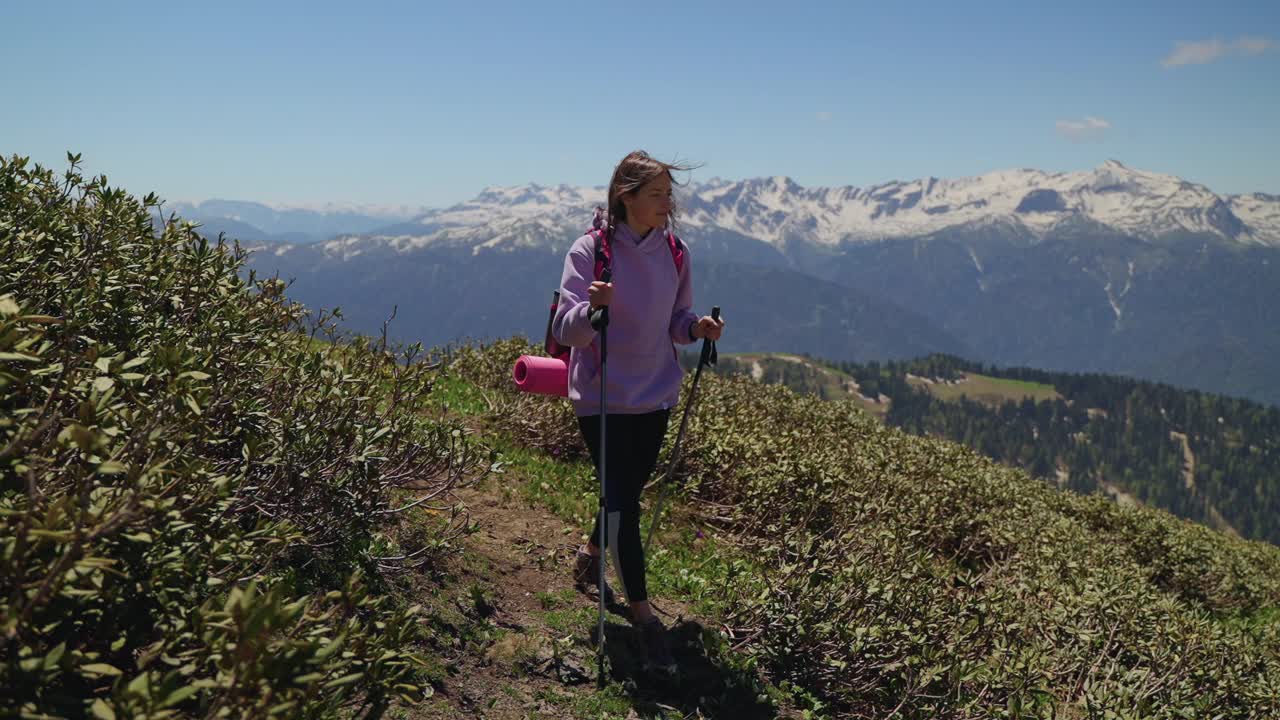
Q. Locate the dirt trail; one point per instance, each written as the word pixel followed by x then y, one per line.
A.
pixel 1216 518
pixel 540 662
pixel 1188 460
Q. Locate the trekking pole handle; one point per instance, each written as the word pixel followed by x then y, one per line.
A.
pixel 600 316
pixel 707 345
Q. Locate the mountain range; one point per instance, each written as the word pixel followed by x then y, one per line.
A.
pixel 255 221
pixel 1112 269
pixel 780 212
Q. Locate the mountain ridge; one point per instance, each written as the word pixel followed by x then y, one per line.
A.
pixel 777 210
pixel 298 224
pixel 1139 203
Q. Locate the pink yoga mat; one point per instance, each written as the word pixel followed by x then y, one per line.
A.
pixel 548 376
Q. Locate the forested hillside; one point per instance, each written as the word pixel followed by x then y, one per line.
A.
pixel 1205 457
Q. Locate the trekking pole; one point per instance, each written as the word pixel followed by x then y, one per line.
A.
pixel 708 357
pixel 600 321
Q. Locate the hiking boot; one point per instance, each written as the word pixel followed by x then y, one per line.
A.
pixel 657 647
pixel 586 575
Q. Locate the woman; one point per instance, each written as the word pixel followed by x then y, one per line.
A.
pixel 649 312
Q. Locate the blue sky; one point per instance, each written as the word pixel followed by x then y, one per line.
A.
pixel 427 103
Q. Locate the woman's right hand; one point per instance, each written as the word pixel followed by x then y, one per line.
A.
pixel 600 294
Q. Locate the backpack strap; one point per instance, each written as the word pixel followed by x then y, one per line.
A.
pixel 600 233
pixel 604 262
pixel 677 251
pixel 603 252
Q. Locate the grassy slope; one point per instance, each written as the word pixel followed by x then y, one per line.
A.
pixel 837 385
pixel 687 565
pixel 834 384
pixel 989 390
pixel 700 574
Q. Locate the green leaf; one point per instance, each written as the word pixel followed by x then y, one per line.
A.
pixel 103 384
pixel 51 660
pixel 99 669
pixel 195 375
pixel 344 680
pixel 18 357
pixel 140 683
pixel 179 695
pixel 111 467
pixel 141 537
pixel 54 535
pixel 102 710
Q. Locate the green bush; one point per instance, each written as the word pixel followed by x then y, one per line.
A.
pixel 193 488
pixel 890 575
pixel 537 421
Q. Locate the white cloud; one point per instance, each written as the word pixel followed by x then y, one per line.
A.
pixel 1079 130
pixel 1254 45
pixel 1195 53
pixel 824 116
pixel 1201 52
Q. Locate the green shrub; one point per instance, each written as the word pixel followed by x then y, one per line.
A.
pixel 890 575
pixel 193 489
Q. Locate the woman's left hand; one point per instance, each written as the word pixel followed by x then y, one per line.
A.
pixel 708 329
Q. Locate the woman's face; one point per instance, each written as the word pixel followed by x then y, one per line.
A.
pixel 650 205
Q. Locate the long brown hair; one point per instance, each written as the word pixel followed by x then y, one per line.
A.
pixel 636 169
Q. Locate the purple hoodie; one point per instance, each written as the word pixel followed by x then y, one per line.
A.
pixel 650 311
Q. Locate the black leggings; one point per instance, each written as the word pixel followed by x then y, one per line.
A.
pixel 634 442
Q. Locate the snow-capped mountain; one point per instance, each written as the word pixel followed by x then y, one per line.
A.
pixel 778 211
pixel 511 217
pixel 1137 203
pixel 1260 212
pixel 781 217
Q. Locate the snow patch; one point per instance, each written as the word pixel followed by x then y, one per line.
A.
pixel 976 262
